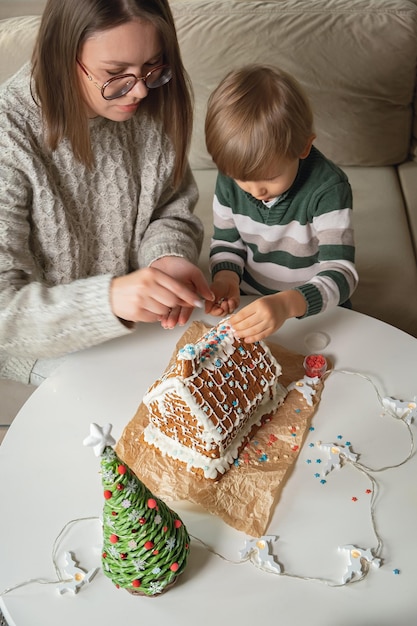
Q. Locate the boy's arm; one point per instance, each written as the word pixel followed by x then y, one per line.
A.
pixel 227 255
pixel 227 250
pixel 336 278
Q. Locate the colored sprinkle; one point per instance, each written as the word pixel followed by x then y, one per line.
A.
pixel 317 475
pixel 308 461
pixel 318 460
pixel 354 499
pixel 396 571
pixel 311 428
pixel 339 437
pixel 368 491
pixel 323 481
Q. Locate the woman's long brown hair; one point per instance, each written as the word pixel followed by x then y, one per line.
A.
pixel 65 26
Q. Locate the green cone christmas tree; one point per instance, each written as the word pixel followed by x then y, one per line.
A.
pixel 145 543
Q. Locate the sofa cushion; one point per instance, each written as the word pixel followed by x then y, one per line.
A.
pixel 17 37
pixel 356 59
pixel 12 8
pixel 385 258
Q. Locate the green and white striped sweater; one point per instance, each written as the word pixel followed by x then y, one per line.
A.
pixel 304 241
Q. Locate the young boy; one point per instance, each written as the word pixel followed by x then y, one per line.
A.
pixel 281 210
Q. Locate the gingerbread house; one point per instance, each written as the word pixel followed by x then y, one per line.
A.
pixel 206 406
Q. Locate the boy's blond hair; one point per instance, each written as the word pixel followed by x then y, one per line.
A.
pixel 258 113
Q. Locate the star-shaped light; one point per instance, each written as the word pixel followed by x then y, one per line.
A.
pixel 99 438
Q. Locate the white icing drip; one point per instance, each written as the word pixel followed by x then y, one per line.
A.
pixel 193 459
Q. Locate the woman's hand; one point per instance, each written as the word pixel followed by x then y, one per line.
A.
pixel 190 276
pixel 150 294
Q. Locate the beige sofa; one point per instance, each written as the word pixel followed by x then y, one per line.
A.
pixel 357 60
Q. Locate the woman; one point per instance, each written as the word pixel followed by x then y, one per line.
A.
pixel 96 195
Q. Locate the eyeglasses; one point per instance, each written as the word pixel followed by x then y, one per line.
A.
pixel 119 86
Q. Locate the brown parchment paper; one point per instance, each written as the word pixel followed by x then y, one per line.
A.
pixel 245 497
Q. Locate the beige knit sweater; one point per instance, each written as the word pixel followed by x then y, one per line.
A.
pixel 65 231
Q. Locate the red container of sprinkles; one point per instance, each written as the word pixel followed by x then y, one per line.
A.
pixel 315 365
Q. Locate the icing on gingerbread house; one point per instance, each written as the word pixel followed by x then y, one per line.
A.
pixel 205 407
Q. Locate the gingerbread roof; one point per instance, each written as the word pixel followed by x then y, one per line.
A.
pixel 220 382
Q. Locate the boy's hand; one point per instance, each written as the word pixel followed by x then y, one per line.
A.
pixel 264 316
pixel 225 287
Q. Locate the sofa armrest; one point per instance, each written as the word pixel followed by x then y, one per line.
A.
pixel 17 38
pixel 407 173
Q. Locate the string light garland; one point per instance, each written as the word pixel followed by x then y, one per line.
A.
pixel 76 575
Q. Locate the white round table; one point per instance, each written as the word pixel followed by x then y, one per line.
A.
pixel 49 479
